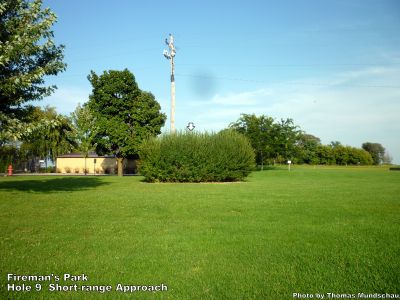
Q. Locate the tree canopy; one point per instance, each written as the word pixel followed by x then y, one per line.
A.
pixel 125 114
pixel 306 148
pixel 27 52
pixel 51 136
pixel 271 140
pixel 259 131
pixel 84 129
pixel 376 150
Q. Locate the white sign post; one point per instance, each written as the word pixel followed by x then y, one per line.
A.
pixel 289 163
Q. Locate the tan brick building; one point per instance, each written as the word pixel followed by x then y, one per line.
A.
pixel 77 163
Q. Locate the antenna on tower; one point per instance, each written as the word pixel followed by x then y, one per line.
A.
pixel 170 54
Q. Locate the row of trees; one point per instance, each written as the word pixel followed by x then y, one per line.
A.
pixel 278 141
pixel 334 153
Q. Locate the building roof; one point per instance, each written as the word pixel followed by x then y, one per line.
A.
pixel 78 155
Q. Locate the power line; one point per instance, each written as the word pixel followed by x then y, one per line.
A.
pixel 312 65
pixel 292 83
pixel 389 86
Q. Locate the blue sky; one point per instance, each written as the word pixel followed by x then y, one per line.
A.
pixel 332 66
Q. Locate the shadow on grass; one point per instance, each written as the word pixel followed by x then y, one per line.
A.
pixel 48 185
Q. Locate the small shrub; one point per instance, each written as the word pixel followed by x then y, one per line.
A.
pixel 86 170
pixel 58 170
pixel 76 170
pixel 197 157
pixel 47 170
pixel 67 170
pixel 99 171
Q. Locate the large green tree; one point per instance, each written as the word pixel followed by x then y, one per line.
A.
pixel 125 114
pixel 259 131
pixel 306 148
pixel 271 140
pixel 285 136
pixel 27 54
pixel 376 150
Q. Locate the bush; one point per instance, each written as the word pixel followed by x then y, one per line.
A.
pixel 8 155
pixel 67 170
pixel 197 157
pixel 48 170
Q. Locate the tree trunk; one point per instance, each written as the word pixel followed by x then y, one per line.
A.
pixel 84 171
pixel 119 166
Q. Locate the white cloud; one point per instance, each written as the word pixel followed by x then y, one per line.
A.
pixel 352 107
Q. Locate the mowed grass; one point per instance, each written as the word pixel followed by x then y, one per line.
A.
pixel 323 230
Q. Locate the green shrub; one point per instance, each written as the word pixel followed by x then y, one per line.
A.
pixel 197 157
pixel 47 170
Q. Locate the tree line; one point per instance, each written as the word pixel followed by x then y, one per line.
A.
pixel 279 141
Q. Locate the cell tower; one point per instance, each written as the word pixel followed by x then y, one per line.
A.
pixel 170 56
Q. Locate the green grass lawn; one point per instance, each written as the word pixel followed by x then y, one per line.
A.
pixel 322 230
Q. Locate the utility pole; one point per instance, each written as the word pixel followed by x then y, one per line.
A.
pixel 170 56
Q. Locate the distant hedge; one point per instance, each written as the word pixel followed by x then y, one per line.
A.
pixel 197 157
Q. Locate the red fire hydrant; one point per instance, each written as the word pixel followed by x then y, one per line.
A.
pixel 10 169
